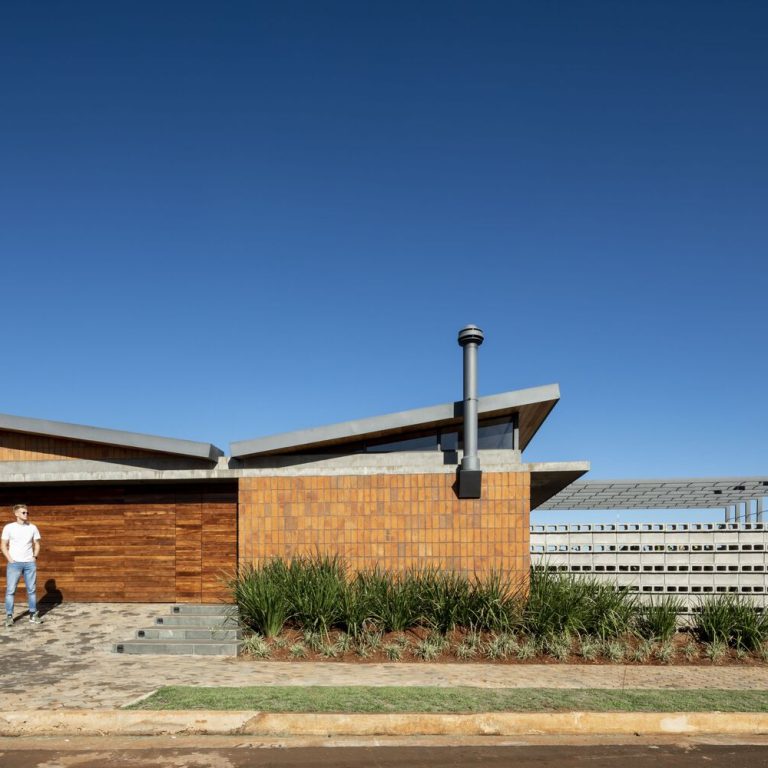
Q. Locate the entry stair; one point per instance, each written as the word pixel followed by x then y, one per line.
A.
pixel 195 630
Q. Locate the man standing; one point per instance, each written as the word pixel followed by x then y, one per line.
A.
pixel 20 544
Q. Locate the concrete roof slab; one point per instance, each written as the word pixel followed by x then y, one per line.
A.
pixel 115 437
pixel 533 406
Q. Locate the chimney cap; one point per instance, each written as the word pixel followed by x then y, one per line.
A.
pixel 470 334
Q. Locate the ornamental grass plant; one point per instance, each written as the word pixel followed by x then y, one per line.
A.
pixel 658 619
pixel 561 604
pixel 316 594
pixel 262 597
pixel 314 606
pixel 731 620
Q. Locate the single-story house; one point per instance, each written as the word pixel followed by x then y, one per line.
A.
pixel 137 518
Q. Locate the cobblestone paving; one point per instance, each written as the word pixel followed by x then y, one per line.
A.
pixel 68 662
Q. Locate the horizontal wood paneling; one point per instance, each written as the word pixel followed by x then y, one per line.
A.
pixel 17 446
pixel 142 543
pixel 219 549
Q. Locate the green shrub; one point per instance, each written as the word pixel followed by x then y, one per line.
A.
pixel 642 651
pixel 690 650
pixel 465 650
pixel 443 599
pixel 316 587
pixel 665 652
pixel 494 604
pixel 393 651
pixel 527 649
pixel 558 646
pixel 589 648
pixel 559 603
pixel 256 646
pixel 731 620
pixel 658 619
pixel 314 640
pixel 715 650
pixel 297 651
pixel 429 648
pixel 750 625
pixel 614 650
pixel 261 597
pixel 609 612
pixel 393 598
pixel 499 647
pixel 357 607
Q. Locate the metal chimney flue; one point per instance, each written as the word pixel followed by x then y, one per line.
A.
pixel 469 474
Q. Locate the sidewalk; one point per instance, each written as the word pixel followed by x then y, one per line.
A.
pixel 67 663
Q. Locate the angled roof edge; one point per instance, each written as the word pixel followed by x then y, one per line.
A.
pixel 109 437
pixel 551 477
pixel 394 424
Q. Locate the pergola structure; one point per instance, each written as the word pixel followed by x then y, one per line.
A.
pixel 742 498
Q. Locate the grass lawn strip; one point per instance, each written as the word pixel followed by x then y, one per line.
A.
pixel 428 700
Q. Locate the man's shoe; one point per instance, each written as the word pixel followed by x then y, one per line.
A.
pixel 34 618
pixel 8 621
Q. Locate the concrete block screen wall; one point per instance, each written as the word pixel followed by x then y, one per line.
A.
pixel 394 520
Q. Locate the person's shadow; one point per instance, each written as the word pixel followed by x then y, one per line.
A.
pixel 52 597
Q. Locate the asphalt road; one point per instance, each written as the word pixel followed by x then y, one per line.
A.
pixel 204 752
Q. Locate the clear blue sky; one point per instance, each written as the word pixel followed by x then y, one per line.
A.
pixel 225 220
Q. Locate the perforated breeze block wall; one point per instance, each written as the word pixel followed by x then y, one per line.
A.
pixel 397 521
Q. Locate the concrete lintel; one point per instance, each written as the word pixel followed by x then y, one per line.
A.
pixel 76 471
pixel 400 462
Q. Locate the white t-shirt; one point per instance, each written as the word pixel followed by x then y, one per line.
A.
pixel 21 538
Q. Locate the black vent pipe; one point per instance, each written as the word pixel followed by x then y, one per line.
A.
pixel 469 474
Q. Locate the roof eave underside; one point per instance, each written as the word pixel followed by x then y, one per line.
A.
pixel 101 436
pixel 550 478
pixel 680 493
pixel 533 405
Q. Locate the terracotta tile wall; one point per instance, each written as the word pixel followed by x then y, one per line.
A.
pixel 396 521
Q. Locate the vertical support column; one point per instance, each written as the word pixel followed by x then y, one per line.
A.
pixel 760 509
pixel 727 514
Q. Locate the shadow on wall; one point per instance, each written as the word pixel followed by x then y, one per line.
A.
pixel 52 597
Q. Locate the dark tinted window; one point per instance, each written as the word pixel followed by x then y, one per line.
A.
pixel 495 436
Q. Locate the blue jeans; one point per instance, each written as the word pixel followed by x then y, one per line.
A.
pixel 13 573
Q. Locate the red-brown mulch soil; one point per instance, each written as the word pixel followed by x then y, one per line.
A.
pixel 286 648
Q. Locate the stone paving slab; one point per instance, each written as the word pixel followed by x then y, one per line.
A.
pixel 67 662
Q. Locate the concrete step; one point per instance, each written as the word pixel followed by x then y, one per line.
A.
pixel 206 621
pixel 202 630
pixel 188 633
pixel 179 648
pixel 193 609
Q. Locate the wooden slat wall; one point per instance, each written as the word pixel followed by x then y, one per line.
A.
pixel 189 564
pixel 16 446
pixel 219 548
pixel 133 543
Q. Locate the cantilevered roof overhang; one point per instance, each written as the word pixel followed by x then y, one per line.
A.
pixel 685 493
pixel 531 405
pixel 62 430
